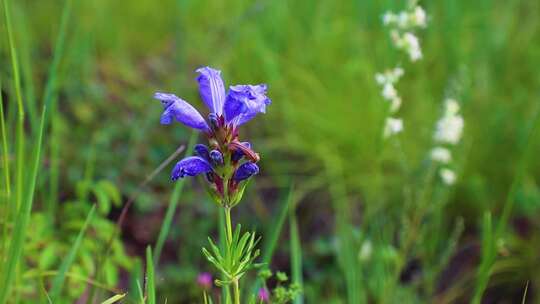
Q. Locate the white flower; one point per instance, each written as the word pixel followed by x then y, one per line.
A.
pixel 395 104
pixel 389 92
pixel 449 129
pixel 393 126
pixel 398 72
pixel 365 251
pixel 419 17
pixel 380 78
pixel 451 106
pixel 440 154
pixel 448 176
pixel 388 18
pixel 402 20
pixel 412 46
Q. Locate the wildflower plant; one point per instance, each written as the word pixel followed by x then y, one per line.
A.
pixel 402 26
pixel 447 134
pixel 226 162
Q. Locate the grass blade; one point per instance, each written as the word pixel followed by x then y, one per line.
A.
pixel 114 299
pixel 150 283
pixel 275 230
pixel 5 149
pixel 23 214
pixel 58 281
pixel 273 233
pixel 171 209
pixel 296 255
pixel 20 226
pixel 5 159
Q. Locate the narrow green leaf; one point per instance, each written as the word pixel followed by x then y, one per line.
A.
pixel 173 203
pixel 58 281
pixel 114 299
pixel 296 254
pixel 150 283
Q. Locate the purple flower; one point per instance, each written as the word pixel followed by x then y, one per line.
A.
pixel 244 102
pixel 226 161
pixel 245 171
pixel 263 294
pixel 211 89
pixel 241 103
pixel 174 107
pixel 204 279
pixel 190 166
pixel 202 151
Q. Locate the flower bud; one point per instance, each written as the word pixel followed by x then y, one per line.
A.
pixel 237 154
pixel 245 171
pixel 202 151
pixel 216 157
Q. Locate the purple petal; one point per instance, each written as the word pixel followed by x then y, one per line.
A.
pixel 202 151
pixel 211 89
pixel 244 102
pixel 190 166
pixel 182 111
pixel 245 171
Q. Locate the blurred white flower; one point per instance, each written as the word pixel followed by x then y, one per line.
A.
pixel 395 104
pixel 393 126
pixel 388 18
pixel 412 46
pixel 419 17
pixel 402 20
pixel 365 251
pixel 449 129
pixel 448 176
pixel 397 73
pixel 440 154
pixel 451 106
pixel 380 78
pixel 389 92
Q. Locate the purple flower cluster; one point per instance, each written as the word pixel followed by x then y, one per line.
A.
pixel 226 161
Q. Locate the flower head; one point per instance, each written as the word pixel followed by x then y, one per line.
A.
pixel 448 176
pixel 450 126
pixel 204 279
pixel 440 154
pixel 393 126
pixel 263 294
pixel 227 163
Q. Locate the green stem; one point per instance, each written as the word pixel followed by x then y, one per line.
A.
pixel 236 292
pixel 228 228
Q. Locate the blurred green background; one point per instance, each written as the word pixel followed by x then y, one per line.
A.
pixel 320 140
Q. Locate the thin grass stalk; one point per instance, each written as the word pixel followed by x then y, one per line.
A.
pixel 58 281
pixel 296 254
pixel 171 209
pixel 20 138
pixel 489 257
pixel 13 256
pixel 5 149
pixel 23 215
pixel 54 150
pixel 273 233
pixel 7 180
pixel 150 281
